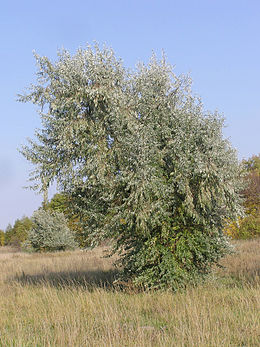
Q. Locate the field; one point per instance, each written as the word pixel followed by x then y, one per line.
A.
pixel 68 299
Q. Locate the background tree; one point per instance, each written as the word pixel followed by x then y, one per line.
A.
pixel 17 234
pixel 249 225
pixel 143 163
pixel 58 203
pixel 252 191
pixel 252 164
pixel 2 238
pixel 8 233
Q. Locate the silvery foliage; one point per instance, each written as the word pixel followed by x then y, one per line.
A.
pixel 50 232
pixel 141 159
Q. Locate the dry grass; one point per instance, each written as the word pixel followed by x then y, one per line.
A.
pixel 244 266
pixel 67 299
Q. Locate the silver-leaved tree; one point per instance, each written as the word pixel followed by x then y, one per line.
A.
pixel 142 162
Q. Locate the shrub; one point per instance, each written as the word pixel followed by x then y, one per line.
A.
pixel 50 232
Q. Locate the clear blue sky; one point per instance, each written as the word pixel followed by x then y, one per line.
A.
pixel 216 41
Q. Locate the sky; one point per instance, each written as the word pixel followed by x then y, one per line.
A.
pixel 215 41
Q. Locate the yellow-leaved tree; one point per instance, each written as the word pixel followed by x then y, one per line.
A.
pixel 2 238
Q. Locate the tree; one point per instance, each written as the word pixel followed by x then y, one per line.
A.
pixel 50 232
pixel 252 191
pixel 59 203
pixel 252 164
pixel 249 225
pixel 2 238
pixel 8 233
pixel 17 234
pixel 143 163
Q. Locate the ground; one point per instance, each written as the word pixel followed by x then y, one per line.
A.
pixel 68 299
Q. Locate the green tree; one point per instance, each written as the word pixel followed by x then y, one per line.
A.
pixel 50 232
pixel 143 163
pixel 8 233
pixel 58 203
pixel 252 164
pixel 17 234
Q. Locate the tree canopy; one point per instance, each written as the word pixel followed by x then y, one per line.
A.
pixel 142 161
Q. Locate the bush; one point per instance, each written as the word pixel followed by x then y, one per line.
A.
pixel 50 232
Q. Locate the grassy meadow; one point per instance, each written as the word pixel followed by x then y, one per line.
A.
pixel 68 299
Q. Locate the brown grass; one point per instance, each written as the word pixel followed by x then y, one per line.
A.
pixel 244 265
pixel 68 299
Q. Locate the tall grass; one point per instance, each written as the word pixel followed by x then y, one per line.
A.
pixel 68 299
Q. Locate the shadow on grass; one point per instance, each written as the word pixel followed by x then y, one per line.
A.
pixel 79 279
